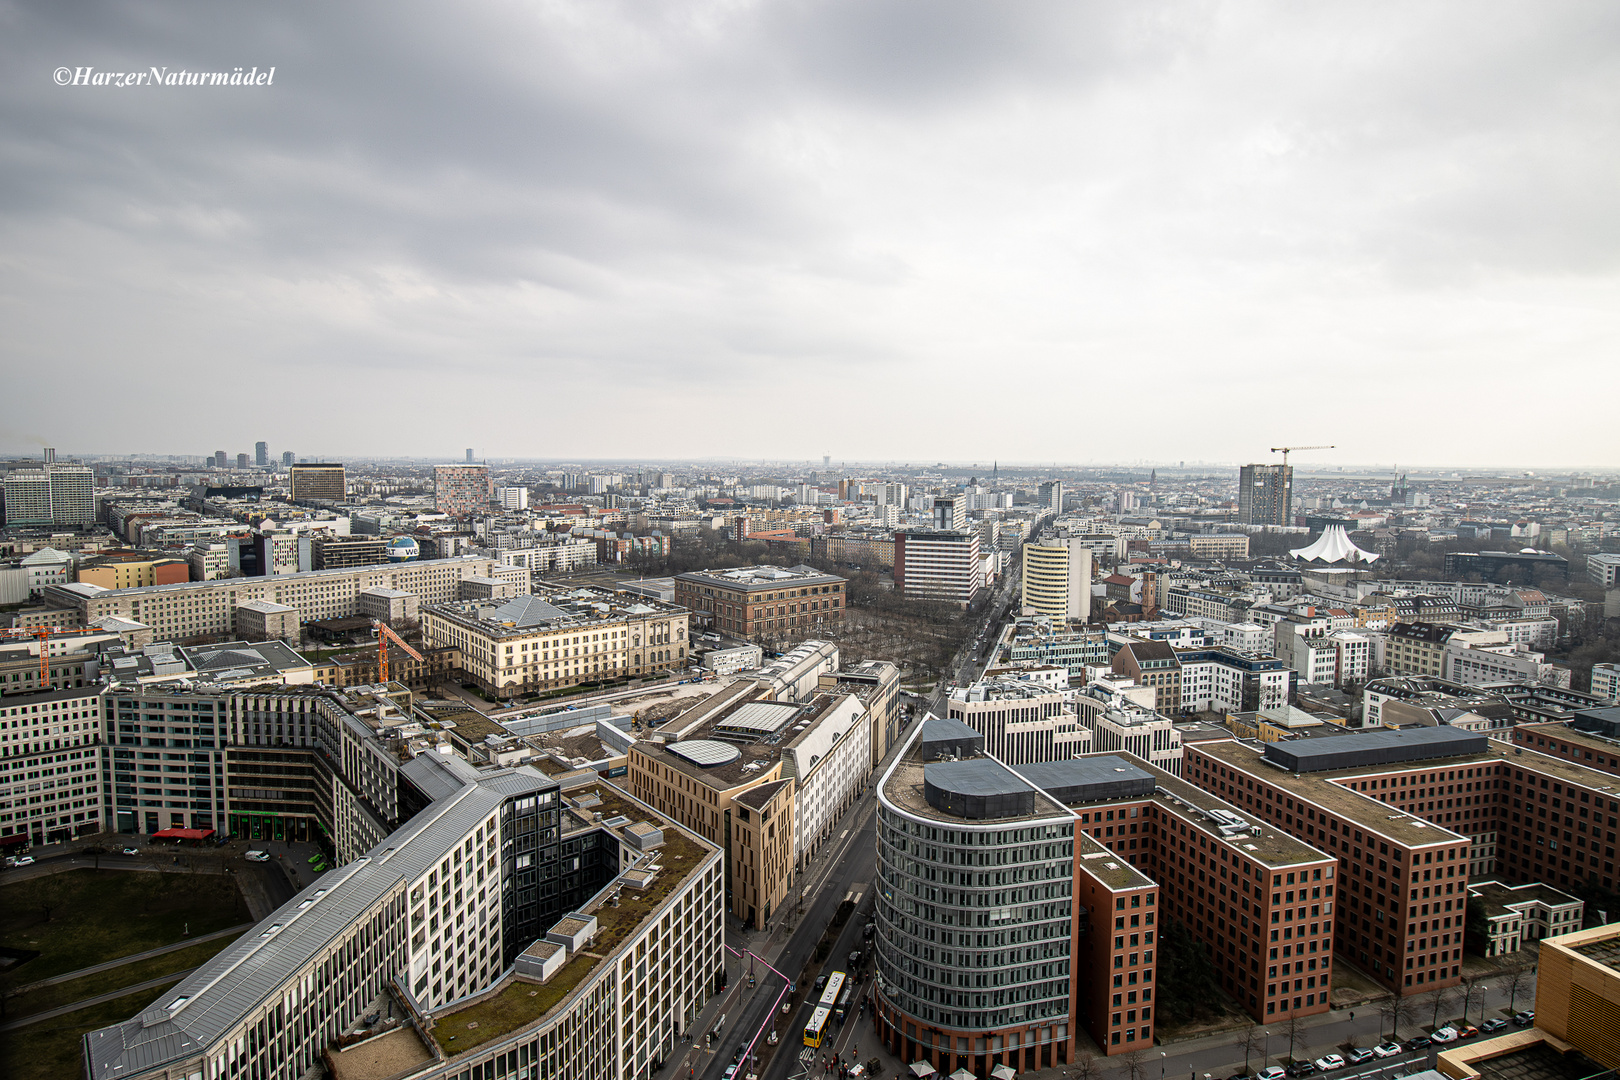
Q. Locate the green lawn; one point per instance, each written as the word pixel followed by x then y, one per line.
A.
pixel 52 1050
pixel 100 915
pixel 89 986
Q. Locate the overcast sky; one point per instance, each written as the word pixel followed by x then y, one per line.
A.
pixel 924 230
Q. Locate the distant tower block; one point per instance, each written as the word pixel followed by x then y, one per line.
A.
pixel 469 455
pixel 50 455
pixel 826 460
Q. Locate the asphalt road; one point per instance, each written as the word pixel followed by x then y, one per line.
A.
pixel 986 623
pixel 265 886
pixel 749 1011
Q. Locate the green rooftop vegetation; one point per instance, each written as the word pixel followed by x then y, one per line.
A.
pixel 521 1003
pixel 518 1004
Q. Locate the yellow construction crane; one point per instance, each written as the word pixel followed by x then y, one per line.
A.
pixel 1286 450
pixel 385 633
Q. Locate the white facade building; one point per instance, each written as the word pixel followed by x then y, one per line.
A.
pixel 832 760
pixel 1604 569
pixel 1474 665
pixel 1606 681
pixel 1021 722
pixel 933 564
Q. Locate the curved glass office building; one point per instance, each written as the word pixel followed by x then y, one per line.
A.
pixel 975 909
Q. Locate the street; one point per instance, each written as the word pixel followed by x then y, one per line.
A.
pixel 964 667
pixel 264 886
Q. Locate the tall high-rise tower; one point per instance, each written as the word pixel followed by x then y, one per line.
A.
pixel 1265 495
pixel 469 455
pixel 261 454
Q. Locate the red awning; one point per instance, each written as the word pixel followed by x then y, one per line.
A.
pixel 183 834
pixel 14 838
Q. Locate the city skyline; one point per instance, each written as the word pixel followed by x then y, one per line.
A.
pixel 1062 230
pixel 1346 470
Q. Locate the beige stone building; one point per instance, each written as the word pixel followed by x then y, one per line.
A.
pixel 765 778
pixel 532 643
pixel 193 609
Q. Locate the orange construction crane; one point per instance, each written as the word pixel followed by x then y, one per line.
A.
pixel 42 634
pixel 385 633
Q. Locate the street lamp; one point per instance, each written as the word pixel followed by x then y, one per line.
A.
pixel 1268 1050
pixel 1162 1056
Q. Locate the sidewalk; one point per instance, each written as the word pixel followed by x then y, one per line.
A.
pixel 99 999
pixel 132 957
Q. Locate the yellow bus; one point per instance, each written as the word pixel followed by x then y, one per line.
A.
pixel 835 986
pixel 817 1027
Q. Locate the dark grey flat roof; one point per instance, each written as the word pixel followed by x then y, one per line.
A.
pixel 978 789
pixel 1089 779
pixel 938 737
pixel 1375 748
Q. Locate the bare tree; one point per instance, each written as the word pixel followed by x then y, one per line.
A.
pixel 50 892
pixel 1472 988
pixel 1439 998
pixel 1515 981
pixel 1387 1010
pixel 1135 1062
pixel 1084 1067
pixel 1405 1013
pixel 1293 1030
pixel 1253 1042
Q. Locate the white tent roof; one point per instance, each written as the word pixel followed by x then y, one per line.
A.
pixel 1333 546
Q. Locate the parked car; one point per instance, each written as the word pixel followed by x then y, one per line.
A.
pixel 1495 1023
pixel 1419 1042
pixel 1329 1062
pixel 1240 1076
pixel 1387 1049
pixel 821 984
pixel 1526 1018
pixel 1358 1055
pixel 1446 1034
pixel 132 851
pixel 257 856
pixel 1273 1072
pixel 1464 1029
pixel 1302 1068
pixel 20 860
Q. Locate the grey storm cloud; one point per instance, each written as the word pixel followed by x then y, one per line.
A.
pixel 1045 231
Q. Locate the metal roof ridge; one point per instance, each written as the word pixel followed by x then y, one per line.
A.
pixel 173 1011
